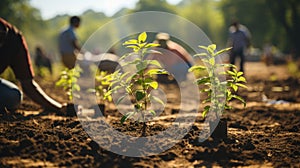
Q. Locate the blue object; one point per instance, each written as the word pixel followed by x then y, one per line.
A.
pixel 11 96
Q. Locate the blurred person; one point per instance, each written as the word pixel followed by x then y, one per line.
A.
pixel 268 53
pixel 242 28
pixel 69 47
pixel 172 56
pixel 14 53
pixel 239 40
pixel 41 60
pixel 109 61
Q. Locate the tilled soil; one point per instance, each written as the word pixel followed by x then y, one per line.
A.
pixel 263 134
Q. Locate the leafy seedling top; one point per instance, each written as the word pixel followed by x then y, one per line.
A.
pixel 138 84
pixel 68 81
pixel 103 81
pixel 219 92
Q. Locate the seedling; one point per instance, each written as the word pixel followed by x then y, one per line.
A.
pixel 138 84
pixel 102 84
pixel 219 93
pixel 103 81
pixel 68 81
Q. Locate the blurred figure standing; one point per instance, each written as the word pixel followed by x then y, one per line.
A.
pixel 268 54
pixel 41 60
pixel 68 43
pixel 239 40
pixel 172 56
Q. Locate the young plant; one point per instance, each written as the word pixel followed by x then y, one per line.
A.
pixel 103 81
pixel 219 93
pixel 138 84
pixel 68 81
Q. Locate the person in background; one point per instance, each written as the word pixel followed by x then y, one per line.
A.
pixel 69 47
pixel 41 60
pixel 172 56
pixel 239 40
pixel 14 53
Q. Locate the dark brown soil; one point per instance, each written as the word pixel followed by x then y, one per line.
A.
pixel 264 134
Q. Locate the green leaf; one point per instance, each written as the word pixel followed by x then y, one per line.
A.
pixel 108 93
pixel 123 75
pixel 131 42
pixel 154 84
pixel 197 67
pixel 241 79
pixel 133 62
pixel 120 99
pixel 142 37
pixel 240 99
pixel 152 112
pixel 226 65
pixel 230 73
pixel 124 56
pixel 154 62
pixel 226 107
pixel 150 45
pixel 200 55
pixel 130 77
pixel 59 83
pixel 126 116
pixel 108 97
pixel 157 100
pixel 203 47
pixel 211 49
pixel 153 52
pixel 156 71
pixel 139 95
pixel 206 109
pixel 142 45
pixel 212 61
pixel 137 106
pixel 241 85
pixel 203 80
pixel 135 48
pixel 222 51
pixel 147 80
pixel 234 87
pixel 76 87
pixel 90 90
pixel 207 100
pixel 240 73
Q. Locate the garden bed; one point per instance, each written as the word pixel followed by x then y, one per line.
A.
pixel 262 134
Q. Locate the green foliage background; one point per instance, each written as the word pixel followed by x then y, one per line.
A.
pixel 269 21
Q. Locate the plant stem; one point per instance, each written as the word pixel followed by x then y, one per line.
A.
pixel 145 98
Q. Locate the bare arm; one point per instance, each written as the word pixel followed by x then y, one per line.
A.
pixel 34 91
pixel 76 45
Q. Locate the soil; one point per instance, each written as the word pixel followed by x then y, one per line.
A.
pixel 263 134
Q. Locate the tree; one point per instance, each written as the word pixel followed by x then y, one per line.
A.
pixel 206 15
pixel 254 15
pixel 276 22
pixel 25 17
pixel 154 5
pixel 287 14
pixel 20 13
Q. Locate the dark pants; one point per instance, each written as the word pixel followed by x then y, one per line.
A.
pixel 234 54
pixel 11 96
